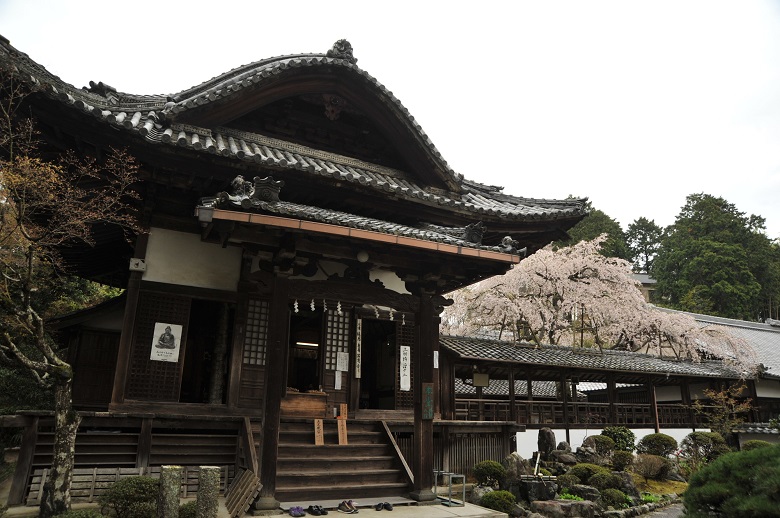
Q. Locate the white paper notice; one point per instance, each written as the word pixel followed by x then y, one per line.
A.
pixel 406 368
pixel 337 384
pixel 435 359
pixel 358 347
pixel 342 361
pixel 166 342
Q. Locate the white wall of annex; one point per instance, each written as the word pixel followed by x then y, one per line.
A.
pixel 181 258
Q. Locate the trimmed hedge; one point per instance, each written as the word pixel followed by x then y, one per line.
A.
pixel 615 498
pixel 604 444
pixel 657 444
pixel 755 443
pixel 621 460
pixel 131 497
pixel 502 501
pixel 489 473
pixel 584 471
pixel 623 437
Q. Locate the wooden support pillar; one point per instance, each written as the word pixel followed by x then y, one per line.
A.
pixel 480 405
pixel 564 391
pixel 428 338
pixel 239 331
pixel 653 404
pixel 24 462
pixel 512 397
pixel 611 398
pixel 275 383
pixel 144 443
pixel 755 409
pixel 128 324
pixel 530 396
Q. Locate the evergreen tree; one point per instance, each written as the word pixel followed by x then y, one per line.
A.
pixel 643 239
pixel 592 226
pixel 713 260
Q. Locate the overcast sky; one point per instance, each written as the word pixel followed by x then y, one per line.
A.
pixel 633 104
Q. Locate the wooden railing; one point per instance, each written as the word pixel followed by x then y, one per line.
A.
pixel 579 414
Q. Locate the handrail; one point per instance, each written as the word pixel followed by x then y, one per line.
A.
pixel 398 451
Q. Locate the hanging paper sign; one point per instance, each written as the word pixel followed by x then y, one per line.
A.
pixel 342 361
pixel 435 359
pixel 358 346
pixel 337 383
pixel 166 342
pixel 406 368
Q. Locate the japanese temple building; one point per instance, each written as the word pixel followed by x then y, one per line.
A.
pixel 303 233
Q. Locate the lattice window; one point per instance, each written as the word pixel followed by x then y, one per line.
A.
pixel 336 337
pixel 256 336
pixel 156 380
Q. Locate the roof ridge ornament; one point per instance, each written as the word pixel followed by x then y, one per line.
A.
pixel 342 49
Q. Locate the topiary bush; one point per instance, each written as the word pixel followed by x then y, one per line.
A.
pixel 745 483
pixel 584 471
pixel 567 481
pixel 131 497
pixel 657 444
pixel 188 510
pixel 602 481
pixel 489 473
pixel 604 444
pixel 502 501
pixel 615 498
pixel 652 467
pixel 622 460
pixel 623 437
pixel 755 443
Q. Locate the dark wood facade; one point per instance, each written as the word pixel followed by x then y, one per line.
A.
pixel 302 234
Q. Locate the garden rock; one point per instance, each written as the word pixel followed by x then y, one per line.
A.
pixel 586 492
pixel 564 446
pixel 564 509
pixel 531 490
pixel 546 442
pixel 515 466
pixel 478 492
pixel 563 457
pixel 628 486
pixel 587 454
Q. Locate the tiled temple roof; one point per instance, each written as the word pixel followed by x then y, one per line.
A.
pixel 154 118
pixel 581 358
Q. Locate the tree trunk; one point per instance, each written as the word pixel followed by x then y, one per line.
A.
pixel 56 493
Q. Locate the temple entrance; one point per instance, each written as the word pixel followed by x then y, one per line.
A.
pixel 306 349
pixel 378 370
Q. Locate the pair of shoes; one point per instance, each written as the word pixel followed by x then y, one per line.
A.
pixel 383 505
pixel 347 507
pixel 316 510
pixel 297 511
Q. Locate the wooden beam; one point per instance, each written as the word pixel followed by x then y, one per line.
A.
pixel 24 462
pixel 144 443
pixel 653 404
pixel 427 341
pixel 512 397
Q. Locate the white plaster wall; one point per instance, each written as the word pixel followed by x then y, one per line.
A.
pixel 181 258
pixel 768 388
pixel 527 441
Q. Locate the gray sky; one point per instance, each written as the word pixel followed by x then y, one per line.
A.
pixel 634 104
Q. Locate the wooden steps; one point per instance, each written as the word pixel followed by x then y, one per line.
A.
pixel 366 467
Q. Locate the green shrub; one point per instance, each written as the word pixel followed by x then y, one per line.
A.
pixel 657 444
pixel 584 471
pixel 568 496
pixel 546 472
pixel 131 497
pixel 615 498
pixel 567 481
pixel 622 460
pixel 604 444
pixel 652 466
pixel 649 498
pixel 188 510
pixel 700 448
pixel 602 481
pixel 80 513
pixel 745 483
pixel 755 443
pixel 489 473
pixel 623 437
pixel 502 501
